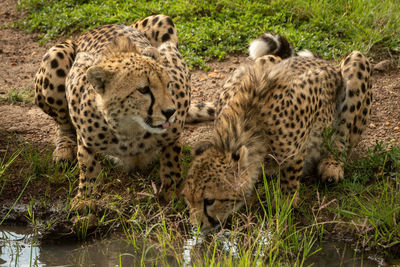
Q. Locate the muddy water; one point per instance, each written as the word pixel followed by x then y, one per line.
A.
pixel 18 248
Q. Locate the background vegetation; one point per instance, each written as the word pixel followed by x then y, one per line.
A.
pixel 212 28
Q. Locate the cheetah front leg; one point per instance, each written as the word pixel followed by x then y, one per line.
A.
pixel 290 177
pixel 50 96
pixel 354 105
pixel 170 171
pixel 89 166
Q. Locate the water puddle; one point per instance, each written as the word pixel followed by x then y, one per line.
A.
pixel 342 254
pixel 18 248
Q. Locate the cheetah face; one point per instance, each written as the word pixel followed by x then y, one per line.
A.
pixel 216 186
pixel 132 90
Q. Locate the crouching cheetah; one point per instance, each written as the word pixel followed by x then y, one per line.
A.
pixel 121 91
pixel 274 112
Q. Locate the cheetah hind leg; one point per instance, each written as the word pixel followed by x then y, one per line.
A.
pixel 50 97
pixel 158 29
pixel 354 105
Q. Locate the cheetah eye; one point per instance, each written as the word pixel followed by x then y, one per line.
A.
pixel 144 90
pixel 208 202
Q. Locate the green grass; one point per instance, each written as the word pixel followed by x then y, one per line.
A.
pixel 15 96
pixel 367 202
pixel 365 207
pixel 259 237
pixel 212 29
pixel 377 205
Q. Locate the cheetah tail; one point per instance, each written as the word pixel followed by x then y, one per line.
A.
pixel 275 44
pixel 271 44
pixel 201 112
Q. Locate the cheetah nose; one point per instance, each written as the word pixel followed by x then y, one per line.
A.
pixel 168 113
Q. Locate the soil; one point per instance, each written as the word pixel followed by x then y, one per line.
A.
pixel 20 56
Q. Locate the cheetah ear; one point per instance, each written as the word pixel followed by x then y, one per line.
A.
pixel 99 77
pixel 152 52
pixel 201 147
pixel 243 157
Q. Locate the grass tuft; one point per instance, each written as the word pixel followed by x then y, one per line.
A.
pixel 15 96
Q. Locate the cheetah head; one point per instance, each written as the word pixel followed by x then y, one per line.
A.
pixel 132 90
pixel 217 184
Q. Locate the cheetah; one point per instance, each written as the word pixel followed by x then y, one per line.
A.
pixel 267 43
pixel 274 112
pixel 119 91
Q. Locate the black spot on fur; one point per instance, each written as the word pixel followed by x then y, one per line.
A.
pixel 165 37
pixel 210 111
pixel 61 88
pixel 60 55
pixel 201 148
pixel 170 22
pixel 347 61
pixel 54 64
pixel 154 21
pixel 146 135
pixel 60 73
pixel 46 83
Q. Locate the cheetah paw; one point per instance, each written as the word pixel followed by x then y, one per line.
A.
pixel 65 149
pixel 83 206
pixel 166 196
pixel 84 213
pixel 330 171
pixel 61 154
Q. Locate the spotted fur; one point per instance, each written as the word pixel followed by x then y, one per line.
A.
pixel 274 112
pixel 121 91
pixel 266 44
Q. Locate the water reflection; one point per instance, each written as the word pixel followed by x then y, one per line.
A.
pixel 188 246
pixel 341 254
pixel 331 253
pixel 18 248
